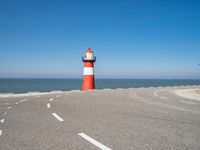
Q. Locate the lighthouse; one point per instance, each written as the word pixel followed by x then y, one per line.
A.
pixel 88 70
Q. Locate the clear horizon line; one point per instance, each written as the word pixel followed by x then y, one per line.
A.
pixel 102 78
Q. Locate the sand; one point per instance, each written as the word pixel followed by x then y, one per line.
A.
pixel 189 93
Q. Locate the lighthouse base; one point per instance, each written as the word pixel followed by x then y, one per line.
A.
pixel 88 82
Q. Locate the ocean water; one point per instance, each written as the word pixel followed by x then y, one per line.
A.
pixel 47 85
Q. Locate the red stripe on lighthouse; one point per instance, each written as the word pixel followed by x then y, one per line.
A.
pixel 88 82
pixel 88 64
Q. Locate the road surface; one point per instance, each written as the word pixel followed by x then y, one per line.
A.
pixel 120 119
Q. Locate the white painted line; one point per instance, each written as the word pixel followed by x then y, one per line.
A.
pixel 9 107
pixel 23 100
pixel 2 120
pixel 93 141
pixel 57 117
pixel 164 97
pixel 6 103
pixel 48 105
pixel 155 94
pixel 16 103
pixel 0 132
pixel 51 99
pixel 188 102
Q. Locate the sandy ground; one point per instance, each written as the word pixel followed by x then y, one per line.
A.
pixel 189 93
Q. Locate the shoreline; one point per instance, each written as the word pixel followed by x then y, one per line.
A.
pixel 183 91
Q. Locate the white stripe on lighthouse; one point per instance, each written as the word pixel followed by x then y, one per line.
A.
pixel 88 71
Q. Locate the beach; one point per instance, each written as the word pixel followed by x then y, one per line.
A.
pixel 118 119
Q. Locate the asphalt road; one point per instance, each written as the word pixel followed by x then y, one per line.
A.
pixel 121 119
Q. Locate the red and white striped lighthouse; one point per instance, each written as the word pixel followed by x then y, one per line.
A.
pixel 88 71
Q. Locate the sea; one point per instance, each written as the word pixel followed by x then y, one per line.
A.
pixel 47 85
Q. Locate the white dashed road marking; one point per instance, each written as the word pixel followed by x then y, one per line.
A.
pixel 51 99
pixel 93 141
pixel 9 107
pixel 48 105
pixel 155 94
pixel 164 105
pixel 23 100
pixel 0 132
pixel 164 97
pixel 188 102
pixel 57 117
pixel 16 103
pixel 2 120
pixel 6 103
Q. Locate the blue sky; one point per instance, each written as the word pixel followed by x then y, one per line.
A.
pixel 131 39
